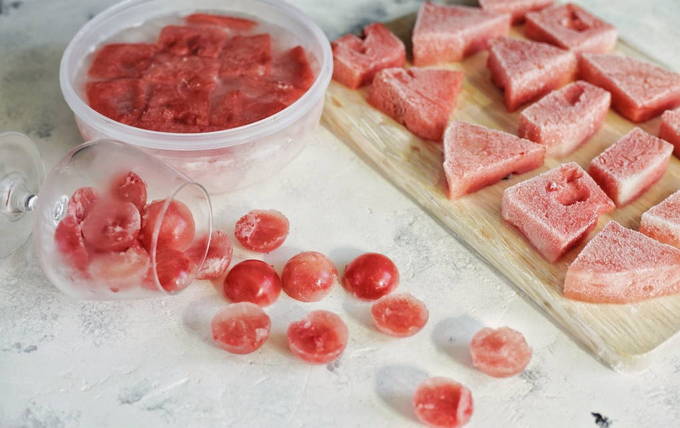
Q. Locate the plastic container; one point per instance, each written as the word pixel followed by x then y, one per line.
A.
pixel 221 161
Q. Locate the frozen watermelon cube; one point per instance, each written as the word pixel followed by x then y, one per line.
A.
pixel 565 119
pixel 225 21
pixel 555 210
pixel 620 265
pixel 246 55
pixel 631 165
pixel 118 60
pixel 517 8
pixel 670 129
pixel 450 33
pixel 193 72
pixel 571 27
pixel 476 157
pixel 122 100
pixel 420 99
pixel 293 68
pixel 662 221
pixel 527 70
pixel 201 41
pixel 640 90
pixel 175 107
pixel 356 60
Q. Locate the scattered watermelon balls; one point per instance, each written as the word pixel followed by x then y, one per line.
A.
pixel 370 276
pixel 262 231
pixel 501 352
pixel 309 276
pixel 252 281
pixel 399 315
pixel 443 403
pixel 318 338
pixel 240 328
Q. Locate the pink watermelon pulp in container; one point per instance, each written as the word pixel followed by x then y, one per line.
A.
pixel 662 221
pixel 517 8
pixel 221 160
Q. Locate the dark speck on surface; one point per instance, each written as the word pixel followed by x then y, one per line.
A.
pixel 90 16
pixel 601 421
pixel 6 7
pixel 333 365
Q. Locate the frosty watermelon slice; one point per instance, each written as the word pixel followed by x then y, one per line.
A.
pixel 420 99
pixel 247 55
pixel 620 265
pixel 555 210
pixel 201 41
pixel 118 60
pixel 476 157
pixel 640 90
pixel 566 118
pixel 662 221
pixel 450 33
pixel 172 109
pixel 122 100
pixel 670 129
pixel 571 27
pixel 526 70
pixel 631 165
pixel 517 8
pixel 356 60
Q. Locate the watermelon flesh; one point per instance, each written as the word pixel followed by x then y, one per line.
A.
pixel 565 119
pixel 450 33
pixel 640 90
pixel 420 99
pixel 527 70
pixel 569 26
pixel 670 129
pixel 620 265
pixel 476 157
pixel 556 210
pixel 356 60
pixel 662 221
pixel 516 8
pixel 631 165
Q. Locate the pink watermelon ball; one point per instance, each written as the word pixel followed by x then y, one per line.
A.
pixel 662 221
pixel 399 315
pixel 240 328
pixel 670 129
pixel 318 338
pixel 443 403
pixel 517 8
pixel 501 352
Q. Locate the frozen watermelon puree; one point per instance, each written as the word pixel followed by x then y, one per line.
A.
pixel 555 210
pixel 517 8
pixel 662 221
pixel 620 265
pixel 669 129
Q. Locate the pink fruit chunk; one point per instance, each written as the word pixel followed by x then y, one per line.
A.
pixel 620 265
pixel 262 231
pixel 527 70
pixel 631 165
pixel 640 90
pixel 129 187
pixel 185 75
pixel 318 338
pixel 569 26
pixel 309 276
pixel 556 210
pixel 111 225
pixel 122 100
pixel 81 202
pixel 247 55
pixel 670 129
pixel 240 328
pixel 420 99
pixel 120 270
pixel 118 60
pixel 252 281
pixel 357 60
pixel 293 68
pixel 370 276
pixel 192 41
pixel 501 352
pixel 218 257
pixel 70 244
pixel 517 8
pixel 443 403
pixel 399 315
pixel 662 221
pixel 565 119
pixel 476 157
pixel 450 33
pixel 226 21
pixel 175 269
pixel 171 109
pixel 176 230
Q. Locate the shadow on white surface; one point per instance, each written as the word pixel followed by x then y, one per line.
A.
pixel 198 315
pixel 396 384
pixel 358 311
pixel 452 336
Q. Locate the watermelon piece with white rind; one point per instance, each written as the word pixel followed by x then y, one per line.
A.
pixel 662 221
pixel 669 129
pixel 517 8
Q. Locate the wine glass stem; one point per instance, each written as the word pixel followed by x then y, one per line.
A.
pixel 16 199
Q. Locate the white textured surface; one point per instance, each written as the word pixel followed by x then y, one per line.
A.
pixel 65 363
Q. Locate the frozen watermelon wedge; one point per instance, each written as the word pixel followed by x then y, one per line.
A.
pixel 662 221
pixel 420 99
pixel 555 210
pixel 620 265
pixel 476 157
pixel 565 119
pixel 670 129
pixel 640 90
pixel 527 70
pixel 569 26
pixel 450 33
pixel 356 60
pixel 517 8
pixel 627 168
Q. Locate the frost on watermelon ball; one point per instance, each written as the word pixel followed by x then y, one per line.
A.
pixel 120 270
pixel 111 225
pixel 218 257
pixel 240 328
pixel 443 403
pixel 500 352
pixel 517 8
pixel 399 315
pixel 669 129
pixel 175 269
pixel 80 203
pixel 69 240
pixel 308 277
pixel 129 187
pixel 662 221
pixel 252 281
pixel 318 338
pixel 177 227
pixel 370 276
pixel 262 231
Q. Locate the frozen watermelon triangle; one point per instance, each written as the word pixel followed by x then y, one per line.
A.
pixel 476 157
pixel 620 265
pixel 662 221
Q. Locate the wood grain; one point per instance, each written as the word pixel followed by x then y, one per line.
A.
pixel 621 336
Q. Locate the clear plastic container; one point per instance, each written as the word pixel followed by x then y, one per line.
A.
pixel 221 161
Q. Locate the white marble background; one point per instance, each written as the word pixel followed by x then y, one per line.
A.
pixel 65 363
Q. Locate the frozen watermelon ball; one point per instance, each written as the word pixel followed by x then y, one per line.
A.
pixel 252 281
pixel 501 352
pixel 80 202
pixel 262 231
pixel 620 265
pixel 450 33
pixel 670 129
pixel 217 257
pixel 420 99
pixel 517 8
pixel 640 90
pixel 399 315
pixel 356 60
pixel 527 70
pixel 556 210
pixel 240 328
pixel 443 403
pixel 571 27
pixel 566 118
pixel 318 338
pixel 662 221
pixel 370 276
pixel 309 276
pixel 68 238
pixel 120 270
pixel 627 168
pixel 476 157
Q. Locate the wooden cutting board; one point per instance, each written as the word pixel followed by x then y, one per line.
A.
pixel 621 336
